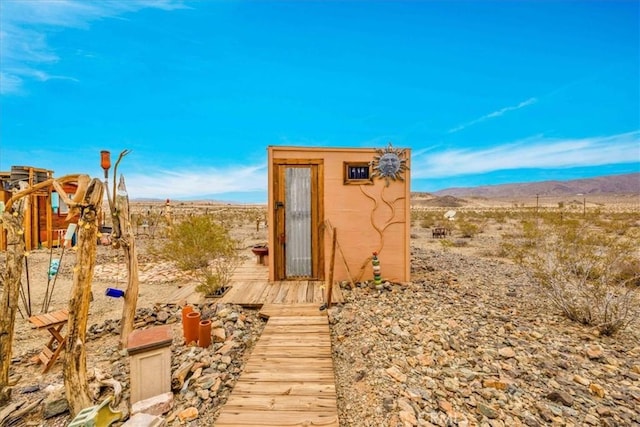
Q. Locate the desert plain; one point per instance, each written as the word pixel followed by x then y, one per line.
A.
pixel 470 341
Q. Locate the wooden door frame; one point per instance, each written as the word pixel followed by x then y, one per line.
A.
pixel 317 217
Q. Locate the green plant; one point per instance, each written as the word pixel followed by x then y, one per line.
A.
pixel 204 246
pixel 468 229
pixel 217 274
pixel 586 274
pixel 427 223
pixel 446 244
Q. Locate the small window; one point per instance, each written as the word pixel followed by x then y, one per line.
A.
pixel 357 173
pixel 63 209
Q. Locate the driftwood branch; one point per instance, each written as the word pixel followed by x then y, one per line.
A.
pixel 17 413
pixel 75 203
pixel 12 221
pixel 20 194
pixel 75 363
pixel 13 380
pixel 115 168
pixel 127 238
pixel 113 208
pixel 106 381
pixel 9 409
pixel 178 377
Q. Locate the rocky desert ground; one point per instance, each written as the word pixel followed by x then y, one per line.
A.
pixel 471 341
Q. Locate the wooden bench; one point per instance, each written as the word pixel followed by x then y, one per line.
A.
pixel 53 322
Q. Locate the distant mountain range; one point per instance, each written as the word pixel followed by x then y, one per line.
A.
pixel 603 185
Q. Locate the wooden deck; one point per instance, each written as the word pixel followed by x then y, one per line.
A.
pixel 251 288
pixel 288 379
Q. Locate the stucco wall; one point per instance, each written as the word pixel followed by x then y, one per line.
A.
pixel 367 218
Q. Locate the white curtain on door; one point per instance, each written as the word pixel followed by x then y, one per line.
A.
pixel 298 221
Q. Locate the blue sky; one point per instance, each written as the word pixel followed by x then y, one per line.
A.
pixel 483 92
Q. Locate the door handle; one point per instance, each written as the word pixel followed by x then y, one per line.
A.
pixel 282 239
pixel 279 205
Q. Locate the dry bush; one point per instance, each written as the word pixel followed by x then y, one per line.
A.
pixel 620 224
pixel 467 229
pixel 588 274
pixel 426 219
pixel 446 244
pixel 460 243
pixel 217 274
pixel 428 223
pixel 499 216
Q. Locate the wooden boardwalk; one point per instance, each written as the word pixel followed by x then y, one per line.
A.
pixel 251 288
pixel 288 379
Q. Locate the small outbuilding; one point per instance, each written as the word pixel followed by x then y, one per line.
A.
pixel 360 194
pixel 45 214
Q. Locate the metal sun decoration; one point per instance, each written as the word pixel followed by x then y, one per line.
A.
pixel 389 164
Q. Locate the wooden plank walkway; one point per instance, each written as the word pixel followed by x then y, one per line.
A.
pixel 251 288
pixel 289 378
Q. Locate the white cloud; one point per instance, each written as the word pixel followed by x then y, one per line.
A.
pixel 494 114
pixel 24 24
pixel 192 183
pixel 534 152
pixel 9 83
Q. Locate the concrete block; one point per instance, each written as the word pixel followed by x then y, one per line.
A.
pixel 149 351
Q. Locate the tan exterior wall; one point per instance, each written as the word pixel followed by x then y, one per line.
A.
pixel 367 217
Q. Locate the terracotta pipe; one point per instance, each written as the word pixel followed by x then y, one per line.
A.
pixel 185 310
pixel 204 333
pixel 191 327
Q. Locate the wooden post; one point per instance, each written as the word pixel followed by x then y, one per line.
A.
pixel 12 221
pixel 331 266
pixel 27 223
pixel 75 363
pixel 127 242
pixel 49 220
pixel 34 205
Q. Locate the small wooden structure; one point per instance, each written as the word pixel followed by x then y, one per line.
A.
pixel 45 214
pixel 364 193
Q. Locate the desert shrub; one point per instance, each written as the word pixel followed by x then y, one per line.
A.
pixel 416 215
pixel 502 251
pixel 499 217
pixel 585 273
pixel 460 243
pixel 618 224
pixel 427 223
pixel 446 244
pixel 629 272
pixel 201 244
pixel 468 229
pixel 217 273
pixel 425 219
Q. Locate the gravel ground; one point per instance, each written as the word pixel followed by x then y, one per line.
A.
pixel 470 342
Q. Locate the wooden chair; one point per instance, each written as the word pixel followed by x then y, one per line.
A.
pixel 53 322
